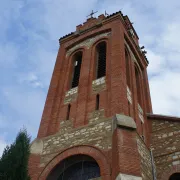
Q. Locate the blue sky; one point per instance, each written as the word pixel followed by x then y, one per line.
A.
pixel 29 35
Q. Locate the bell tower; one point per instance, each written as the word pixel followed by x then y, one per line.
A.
pixel 94 123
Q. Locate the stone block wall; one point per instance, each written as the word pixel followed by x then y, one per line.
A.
pixel 98 134
pixel 98 85
pixel 165 144
pixel 146 162
pixel 71 95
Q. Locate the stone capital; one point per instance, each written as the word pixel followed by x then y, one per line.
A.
pixel 36 146
pixel 120 120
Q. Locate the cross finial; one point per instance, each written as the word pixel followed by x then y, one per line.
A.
pixel 92 13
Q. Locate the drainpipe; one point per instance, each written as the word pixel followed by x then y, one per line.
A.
pixel 153 165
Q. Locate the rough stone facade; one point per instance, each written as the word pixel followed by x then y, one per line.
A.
pixel 146 160
pixel 165 145
pixel 99 85
pixel 98 134
pixel 71 95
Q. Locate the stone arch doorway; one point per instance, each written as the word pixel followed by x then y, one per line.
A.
pixel 175 176
pixel 81 167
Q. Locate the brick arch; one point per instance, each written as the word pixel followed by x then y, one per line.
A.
pixel 168 172
pixel 69 65
pixel 71 54
pixel 102 39
pixel 93 152
pixel 93 53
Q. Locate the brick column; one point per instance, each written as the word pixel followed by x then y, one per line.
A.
pixel 119 102
pixel 125 156
pixel 83 89
pixel 52 93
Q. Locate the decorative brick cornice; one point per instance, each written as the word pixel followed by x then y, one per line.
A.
pixel 97 22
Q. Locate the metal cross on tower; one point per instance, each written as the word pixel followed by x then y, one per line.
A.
pixel 92 13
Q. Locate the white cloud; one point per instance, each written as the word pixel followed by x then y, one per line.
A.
pixel 8 54
pixel 157 63
pixel 29 77
pixel 165 93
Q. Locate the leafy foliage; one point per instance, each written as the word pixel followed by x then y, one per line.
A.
pixel 14 160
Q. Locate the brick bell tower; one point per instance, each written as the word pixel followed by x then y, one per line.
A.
pixel 94 123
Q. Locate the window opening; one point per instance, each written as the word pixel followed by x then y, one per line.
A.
pixel 68 112
pixel 101 60
pixel 76 69
pixel 142 130
pixel 97 102
pixel 79 167
pixel 175 176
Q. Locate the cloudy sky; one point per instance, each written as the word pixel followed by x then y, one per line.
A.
pixel 29 33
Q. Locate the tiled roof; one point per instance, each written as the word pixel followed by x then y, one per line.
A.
pixel 66 35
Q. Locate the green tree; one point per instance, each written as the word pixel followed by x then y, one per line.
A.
pixel 14 160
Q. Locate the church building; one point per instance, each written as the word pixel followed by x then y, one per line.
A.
pixel 97 122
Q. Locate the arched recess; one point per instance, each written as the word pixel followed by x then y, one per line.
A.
pixel 128 68
pixel 81 167
pixel 175 176
pixel 100 54
pixel 138 85
pixel 167 173
pixel 128 79
pixel 74 68
pixel 93 152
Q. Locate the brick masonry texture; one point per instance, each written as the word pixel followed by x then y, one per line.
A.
pixel 166 146
pixel 87 43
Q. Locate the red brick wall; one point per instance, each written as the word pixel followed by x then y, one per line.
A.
pixel 113 99
pixel 125 156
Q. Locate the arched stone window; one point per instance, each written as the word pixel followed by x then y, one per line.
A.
pixel 100 60
pixel 79 167
pixel 175 176
pixel 76 63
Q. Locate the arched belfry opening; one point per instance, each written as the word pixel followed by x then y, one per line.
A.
pixel 76 68
pixel 78 167
pixel 100 59
pixel 175 176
